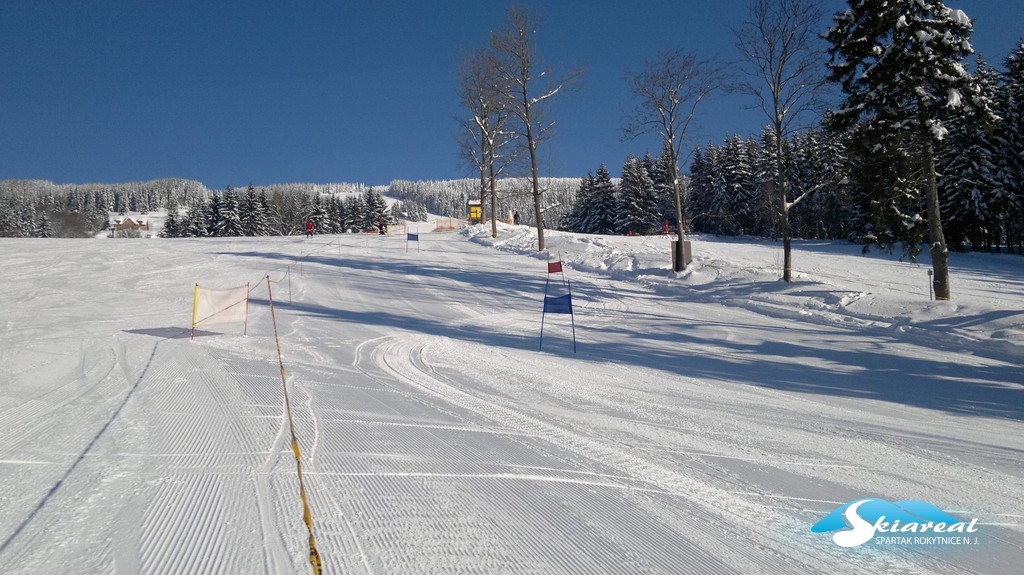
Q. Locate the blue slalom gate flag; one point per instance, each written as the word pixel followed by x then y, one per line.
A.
pixel 560 304
pixel 414 237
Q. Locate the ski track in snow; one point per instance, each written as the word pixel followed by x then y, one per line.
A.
pixel 437 439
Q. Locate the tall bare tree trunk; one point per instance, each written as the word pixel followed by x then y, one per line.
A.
pixel 537 210
pixel 780 43
pixel 787 236
pixel 680 263
pixel 483 171
pixel 494 196
pixel 940 254
pixel 516 64
pixel 531 144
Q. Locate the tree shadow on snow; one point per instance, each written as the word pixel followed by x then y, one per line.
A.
pixel 803 357
pixel 483 334
pixel 819 364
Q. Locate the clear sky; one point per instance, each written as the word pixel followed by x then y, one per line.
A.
pixel 266 91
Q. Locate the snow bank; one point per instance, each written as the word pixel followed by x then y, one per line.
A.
pixel 834 283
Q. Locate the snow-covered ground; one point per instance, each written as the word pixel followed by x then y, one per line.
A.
pixel 707 421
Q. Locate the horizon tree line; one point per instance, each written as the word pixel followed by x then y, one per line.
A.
pixel 253 213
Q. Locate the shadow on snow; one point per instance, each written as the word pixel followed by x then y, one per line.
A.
pixel 684 347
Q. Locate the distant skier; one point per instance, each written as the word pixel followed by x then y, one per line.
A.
pixel 309 227
pixel 382 225
pixel 515 218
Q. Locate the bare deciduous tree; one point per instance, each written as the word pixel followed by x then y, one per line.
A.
pixel 529 87
pixel 784 64
pixel 488 145
pixel 668 91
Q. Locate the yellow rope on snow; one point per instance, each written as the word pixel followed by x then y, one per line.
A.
pixel 307 515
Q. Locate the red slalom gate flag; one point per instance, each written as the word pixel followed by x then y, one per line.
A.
pixel 554 267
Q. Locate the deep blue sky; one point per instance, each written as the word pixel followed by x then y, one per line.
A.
pixel 332 91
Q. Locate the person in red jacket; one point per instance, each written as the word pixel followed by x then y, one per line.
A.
pixel 309 228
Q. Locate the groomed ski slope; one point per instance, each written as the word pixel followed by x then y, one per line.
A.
pixel 708 420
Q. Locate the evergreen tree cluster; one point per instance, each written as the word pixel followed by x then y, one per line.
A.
pixel 863 180
pixel 927 140
pixel 409 211
pixel 981 183
pixel 449 198
pixel 979 167
pixel 258 212
pixel 866 180
pixel 639 203
pixel 39 208
pixel 732 187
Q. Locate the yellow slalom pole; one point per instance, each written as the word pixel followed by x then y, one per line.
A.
pixel 195 310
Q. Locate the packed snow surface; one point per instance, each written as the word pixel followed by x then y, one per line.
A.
pixel 707 420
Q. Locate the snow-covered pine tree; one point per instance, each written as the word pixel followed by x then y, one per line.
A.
pixel 749 212
pixel 573 220
pixel 212 215
pixel 706 209
pixel 230 223
pixel 638 207
pixel 171 225
pixel 196 223
pixel 737 196
pixel 766 181
pixel 335 214
pixel 695 199
pixel 719 163
pixel 8 227
pixel 397 212
pixel 647 162
pixel 253 213
pixel 104 201
pixel 355 214
pixel 264 223
pixel 900 65
pixel 661 175
pixel 829 207
pixel 411 211
pixel 27 222
pixel 418 213
pixel 44 229
pixel 602 215
pixel 799 166
pixel 970 188
pixel 376 208
pixel 1010 134
pixel 885 192
pixel 318 213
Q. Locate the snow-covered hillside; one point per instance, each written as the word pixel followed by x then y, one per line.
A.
pixel 707 421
